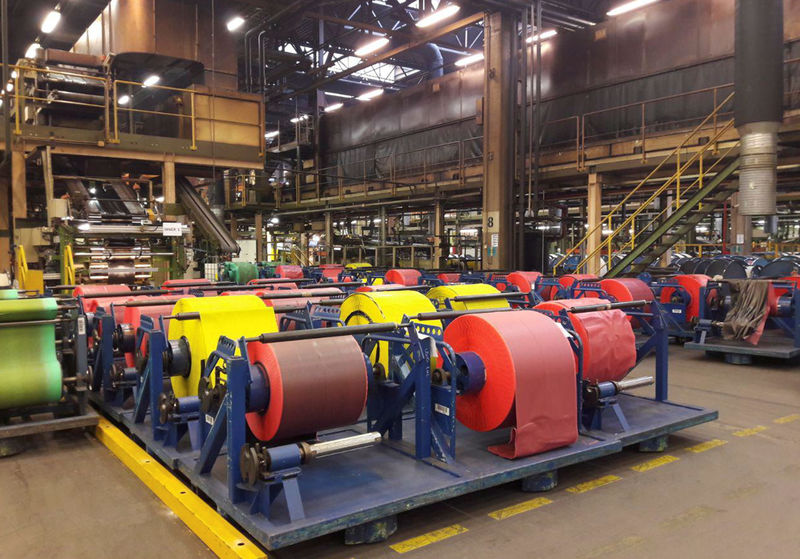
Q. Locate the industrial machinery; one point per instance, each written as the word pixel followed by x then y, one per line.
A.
pixel 403 411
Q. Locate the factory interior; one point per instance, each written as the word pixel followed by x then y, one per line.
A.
pixel 370 278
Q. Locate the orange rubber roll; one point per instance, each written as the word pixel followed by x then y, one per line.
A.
pixel 692 283
pixel 313 384
pixel 290 271
pixel 403 276
pixel 629 289
pixel 530 380
pixel 609 344
pixel 133 317
pixel 91 305
pixel 524 281
pixel 449 278
pixel 331 272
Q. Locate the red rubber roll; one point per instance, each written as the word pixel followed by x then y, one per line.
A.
pixel 133 317
pixel 290 271
pixel 629 289
pixel 177 284
pixel 449 278
pixel 384 287
pixel 259 291
pixel 692 283
pixel 314 385
pixel 530 380
pixel 331 272
pixel 91 305
pixel 303 297
pixel 609 344
pixel 403 276
pixel 524 281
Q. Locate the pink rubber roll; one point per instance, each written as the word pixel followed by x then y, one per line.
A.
pixel 259 291
pixel 448 278
pixel 609 344
pixel 384 287
pixel 133 317
pixel 403 276
pixel 692 283
pixel 530 380
pixel 524 281
pixel 289 271
pixel 314 385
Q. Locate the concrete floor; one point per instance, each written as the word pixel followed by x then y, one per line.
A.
pixel 67 496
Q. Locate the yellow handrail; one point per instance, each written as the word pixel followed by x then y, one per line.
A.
pixel 68 276
pixel 673 153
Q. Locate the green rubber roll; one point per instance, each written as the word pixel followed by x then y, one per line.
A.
pixel 8 294
pixel 29 371
pixel 240 272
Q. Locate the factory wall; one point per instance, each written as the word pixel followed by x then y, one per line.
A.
pixel 672 47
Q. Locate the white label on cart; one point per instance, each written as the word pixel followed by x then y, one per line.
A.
pixel 439 408
pixel 676 311
pixel 81 327
pixel 210 419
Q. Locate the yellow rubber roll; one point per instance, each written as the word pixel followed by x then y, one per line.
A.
pixel 385 306
pixel 232 316
pixel 443 292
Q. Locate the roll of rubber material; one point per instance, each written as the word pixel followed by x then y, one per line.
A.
pixel 289 271
pixel 629 289
pixel 781 291
pixel 381 287
pixel 500 280
pixel 8 294
pixel 358 265
pixel 332 272
pixel 133 317
pixel 692 283
pixel 384 306
pixel 256 292
pixel 524 281
pixel 90 304
pixel 569 280
pixel 233 317
pixel 303 298
pixel 313 385
pixel 30 373
pixel 178 284
pixel 530 380
pixel 439 296
pixel 448 278
pixel 403 276
pixel 609 344
pixel 240 272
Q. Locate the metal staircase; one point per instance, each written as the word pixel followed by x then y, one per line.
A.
pixel 638 238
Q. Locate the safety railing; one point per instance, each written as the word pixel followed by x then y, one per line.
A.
pixel 698 249
pixel 591 253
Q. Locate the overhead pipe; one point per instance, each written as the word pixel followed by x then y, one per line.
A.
pixel 758 107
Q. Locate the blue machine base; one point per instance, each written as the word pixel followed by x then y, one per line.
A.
pixel 348 490
pixel 770 345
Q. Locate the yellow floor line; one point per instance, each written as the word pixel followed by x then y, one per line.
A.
pixel 216 532
pixel 429 538
pixel 593 484
pixel 787 418
pixel 708 445
pixel 751 431
pixel 655 463
pixel 508 512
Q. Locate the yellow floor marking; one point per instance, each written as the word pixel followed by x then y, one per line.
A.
pixel 429 538
pixel 708 445
pixel 216 532
pixel 787 418
pixel 594 484
pixel 655 463
pixel 520 508
pixel 751 431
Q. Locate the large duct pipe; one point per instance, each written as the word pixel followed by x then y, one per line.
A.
pixel 759 101
pixel 433 57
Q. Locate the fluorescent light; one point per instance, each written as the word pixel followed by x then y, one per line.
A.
pixel 472 59
pixel 10 87
pixel 300 118
pixel 272 134
pixel 92 190
pixel 235 23
pixel 32 48
pixel 14 74
pixel 85 226
pixel 370 95
pixel 546 34
pixel 342 95
pixel 160 199
pixel 372 46
pixel 124 99
pixel 629 7
pixel 334 107
pixel 152 79
pixel 50 21
pixel 274 220
pixel 439 15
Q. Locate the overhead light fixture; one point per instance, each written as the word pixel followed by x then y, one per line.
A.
pixel 272 134
pixel 85 226
pixel 471 59
pixel 439 15
pixel 235 23
pixel 334 107
pixel 10 87
pixel 50 22
pixel 370 95
pixel 300 118
pixel 546 34
pixel 274 220
pixel 629 7
pixel 14 74
pixel 152 79
pixel 160 199
pixel 31 51
pixel 334 94
pixel 124 100
pixel 372 46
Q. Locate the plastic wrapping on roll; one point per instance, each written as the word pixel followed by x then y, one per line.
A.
pixel 439 296
pixel 530 380
pixel 609 344
pixel 448 278
pixel 524 281
pixel 289 271
pixel 233 317
pixel 692 283
pixel 30 373
pixel 313 385
pixel 133 317
pixel 403 276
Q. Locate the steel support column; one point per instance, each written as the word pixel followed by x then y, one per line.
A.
pixel 328 238
pixel 594 215
pixel 741 239
pixel 259 227
pixel 19 202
